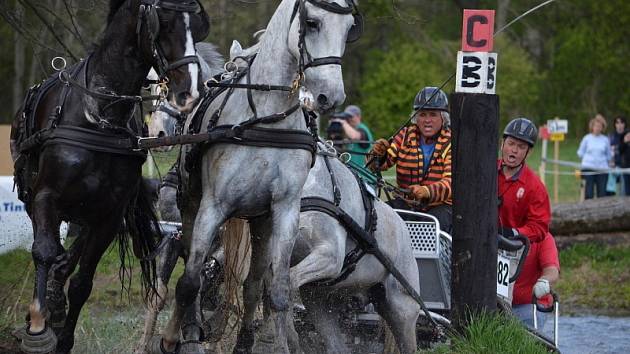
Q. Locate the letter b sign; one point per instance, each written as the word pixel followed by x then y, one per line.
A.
pixel 476 72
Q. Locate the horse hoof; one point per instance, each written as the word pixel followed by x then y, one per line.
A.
pixel 37 343
pixel 156 346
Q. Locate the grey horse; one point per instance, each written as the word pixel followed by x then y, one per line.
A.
pixel 319 254
pixel 249 182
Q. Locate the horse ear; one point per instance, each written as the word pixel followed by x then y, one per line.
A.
pixel 203 26
pixel 236 49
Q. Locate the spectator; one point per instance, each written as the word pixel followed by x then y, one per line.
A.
pixel 624 153
pixel 422 155
pixel 596 156
pixel 540 271
pixel 616 139
pixel 355 129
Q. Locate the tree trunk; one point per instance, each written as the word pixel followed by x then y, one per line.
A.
pixel 18 62
pixel 608 214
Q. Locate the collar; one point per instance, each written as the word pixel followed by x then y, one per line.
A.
pixel 514 177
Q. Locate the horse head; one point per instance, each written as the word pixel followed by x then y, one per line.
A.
pixel 167 31
pixel 318 34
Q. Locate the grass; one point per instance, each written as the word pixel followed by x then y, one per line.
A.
pixel 110 322
pixel 491 333
pixel 595 276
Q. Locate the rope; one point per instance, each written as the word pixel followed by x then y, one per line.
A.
pixel 589 171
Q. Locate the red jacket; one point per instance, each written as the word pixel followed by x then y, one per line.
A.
pixel 524 204
pixel 541 255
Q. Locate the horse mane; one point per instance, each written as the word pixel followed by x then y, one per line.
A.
pixel 211 56
pixel 237 51
pixel 114 5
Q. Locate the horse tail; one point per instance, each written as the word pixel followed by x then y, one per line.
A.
pixel 236 244
pixel 142 226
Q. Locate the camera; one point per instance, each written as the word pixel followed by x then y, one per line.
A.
pixel 335 129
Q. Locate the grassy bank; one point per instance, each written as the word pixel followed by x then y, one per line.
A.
pixel 595 277
pixel 111 321
pixel 491 333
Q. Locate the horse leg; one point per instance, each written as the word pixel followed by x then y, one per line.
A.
pixel 80 287
pixel 253 286
pixel 399 310
pixel 59 273
pixel 167 259
pixel 325 320
pixel 285 219
pixel 325 259
pixel 208 220
pixel 46 248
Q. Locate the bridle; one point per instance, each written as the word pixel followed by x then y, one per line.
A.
pixel 248 132
pixel 148 15
pixel 306 60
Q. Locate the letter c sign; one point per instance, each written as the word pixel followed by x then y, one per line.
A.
pixel 477 30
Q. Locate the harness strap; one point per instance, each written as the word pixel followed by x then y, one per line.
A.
pixel 333 181
pixel 251 136
pixel 188 59
pixel 257 87
pixel 92 140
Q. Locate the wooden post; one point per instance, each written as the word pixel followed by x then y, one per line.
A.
pixel 556 173
pixel 543 164
pixel 475 119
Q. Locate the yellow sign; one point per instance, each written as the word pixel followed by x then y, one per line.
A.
pixel 556 137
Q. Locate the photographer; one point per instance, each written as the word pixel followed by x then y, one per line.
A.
pixel 348 125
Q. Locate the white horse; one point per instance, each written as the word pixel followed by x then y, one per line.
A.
pixel 302 45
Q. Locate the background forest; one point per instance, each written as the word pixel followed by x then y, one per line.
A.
pixel 568 59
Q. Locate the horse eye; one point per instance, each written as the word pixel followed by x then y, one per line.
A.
pixel 312 24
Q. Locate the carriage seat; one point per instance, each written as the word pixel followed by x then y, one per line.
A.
pixel 432 250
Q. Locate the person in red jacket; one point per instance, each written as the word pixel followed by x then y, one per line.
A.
pixel 523 200
pixel 524 209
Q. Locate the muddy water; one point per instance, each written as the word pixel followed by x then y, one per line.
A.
pixel 592 334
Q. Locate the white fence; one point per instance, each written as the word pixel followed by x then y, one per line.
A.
pixel 16 231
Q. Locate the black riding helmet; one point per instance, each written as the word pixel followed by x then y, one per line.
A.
pixel 522 129
pixel 438 101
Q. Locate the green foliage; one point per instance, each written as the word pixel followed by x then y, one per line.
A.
pixel 394 78
pixel 588 72
pixel 518 83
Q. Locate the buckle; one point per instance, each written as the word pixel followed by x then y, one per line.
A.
pixel 235 132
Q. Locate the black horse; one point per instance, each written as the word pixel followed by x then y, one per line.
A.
pixel 74 145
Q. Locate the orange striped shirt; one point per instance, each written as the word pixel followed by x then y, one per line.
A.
pixel 406 154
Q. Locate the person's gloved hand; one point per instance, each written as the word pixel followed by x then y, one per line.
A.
pixel 380 148
pixel 419 192
pixel 541 288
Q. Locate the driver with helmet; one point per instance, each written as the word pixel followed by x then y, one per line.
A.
pixel 524 210
pixel 422 155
